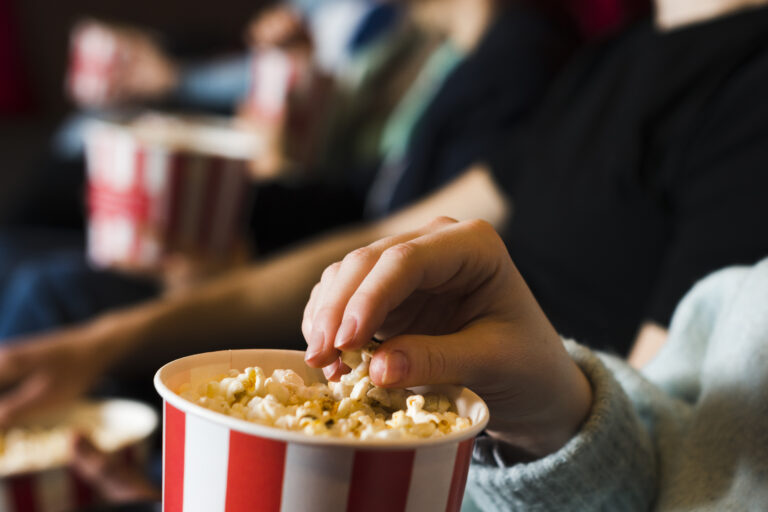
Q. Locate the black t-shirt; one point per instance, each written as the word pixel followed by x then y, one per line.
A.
pixel 487 97
pixel 645 169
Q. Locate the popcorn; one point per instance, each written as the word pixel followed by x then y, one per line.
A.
pixel 353 407
pixel 48 443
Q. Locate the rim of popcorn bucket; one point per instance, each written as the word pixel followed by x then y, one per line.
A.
pixel 216 136
pixel 120 410
pixel 467 402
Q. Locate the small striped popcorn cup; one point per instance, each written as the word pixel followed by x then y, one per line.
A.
pixel 161 184
pixel 216 463
pixel 42 482
pixel 289 95
pixel 94 58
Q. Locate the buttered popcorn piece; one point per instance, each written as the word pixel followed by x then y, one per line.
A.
pixel 352 407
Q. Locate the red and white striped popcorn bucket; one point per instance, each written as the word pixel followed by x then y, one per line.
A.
pixel 94 57
pixel 43 487
pixel 154 190
pixel 274 74
pixel 216 463
pixel 289 93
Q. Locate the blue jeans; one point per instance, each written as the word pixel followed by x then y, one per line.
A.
pixel 46 282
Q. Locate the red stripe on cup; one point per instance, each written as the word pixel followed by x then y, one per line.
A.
pixel 173 460
pixel 460 471
pixel 177 163
pixel 227 217
pixel 255 473
pixel 210 198
pixel 242 201
pixel 196 174
pixel 81 491
pixel 22 493
pixel 139 192
pixel 380 481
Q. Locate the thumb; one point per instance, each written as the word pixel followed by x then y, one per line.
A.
pixel 415 360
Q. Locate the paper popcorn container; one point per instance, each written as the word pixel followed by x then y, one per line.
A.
pixel 216 463
pixel 273 75
pixel 93 61
pixel 50 486
pixel 285 92
pixel 162 184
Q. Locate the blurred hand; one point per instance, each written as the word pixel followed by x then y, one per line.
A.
pixel 115 480
pixel 142 71
pixel 452 308
pixel 277 26
pixel 52 369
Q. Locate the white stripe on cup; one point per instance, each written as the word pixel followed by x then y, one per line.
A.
pixel 272 80
pixel 193 183
pixel 53 491
pixel 316 478
pixel 5 498
pixel 156 167
pixel 431 478
pixel 206 458
pixel 123 171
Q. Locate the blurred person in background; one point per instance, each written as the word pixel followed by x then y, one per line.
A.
pixel 459 105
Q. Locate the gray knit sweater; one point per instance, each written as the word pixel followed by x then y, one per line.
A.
pixel 688 433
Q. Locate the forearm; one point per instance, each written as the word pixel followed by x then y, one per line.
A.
pixel 613 452
pixel 260 305
pixel 263 304
pixel 473 195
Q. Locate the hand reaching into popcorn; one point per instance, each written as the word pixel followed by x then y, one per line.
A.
pixel 452 308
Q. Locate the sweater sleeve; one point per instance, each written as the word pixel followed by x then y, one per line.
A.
pixel 609 465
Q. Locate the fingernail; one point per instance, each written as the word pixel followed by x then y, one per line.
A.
pixel 346 332
pixel 330 370
pixel 395 367
pixel 316 345
pixel 310 354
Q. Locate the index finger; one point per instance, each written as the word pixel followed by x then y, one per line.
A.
pixel 327 329
pixel 457 257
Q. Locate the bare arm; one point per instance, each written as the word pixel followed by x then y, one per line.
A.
pixel 264 303
pixel 261 304
pixel 649 341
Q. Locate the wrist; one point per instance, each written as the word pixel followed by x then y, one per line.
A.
pixel 537 436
